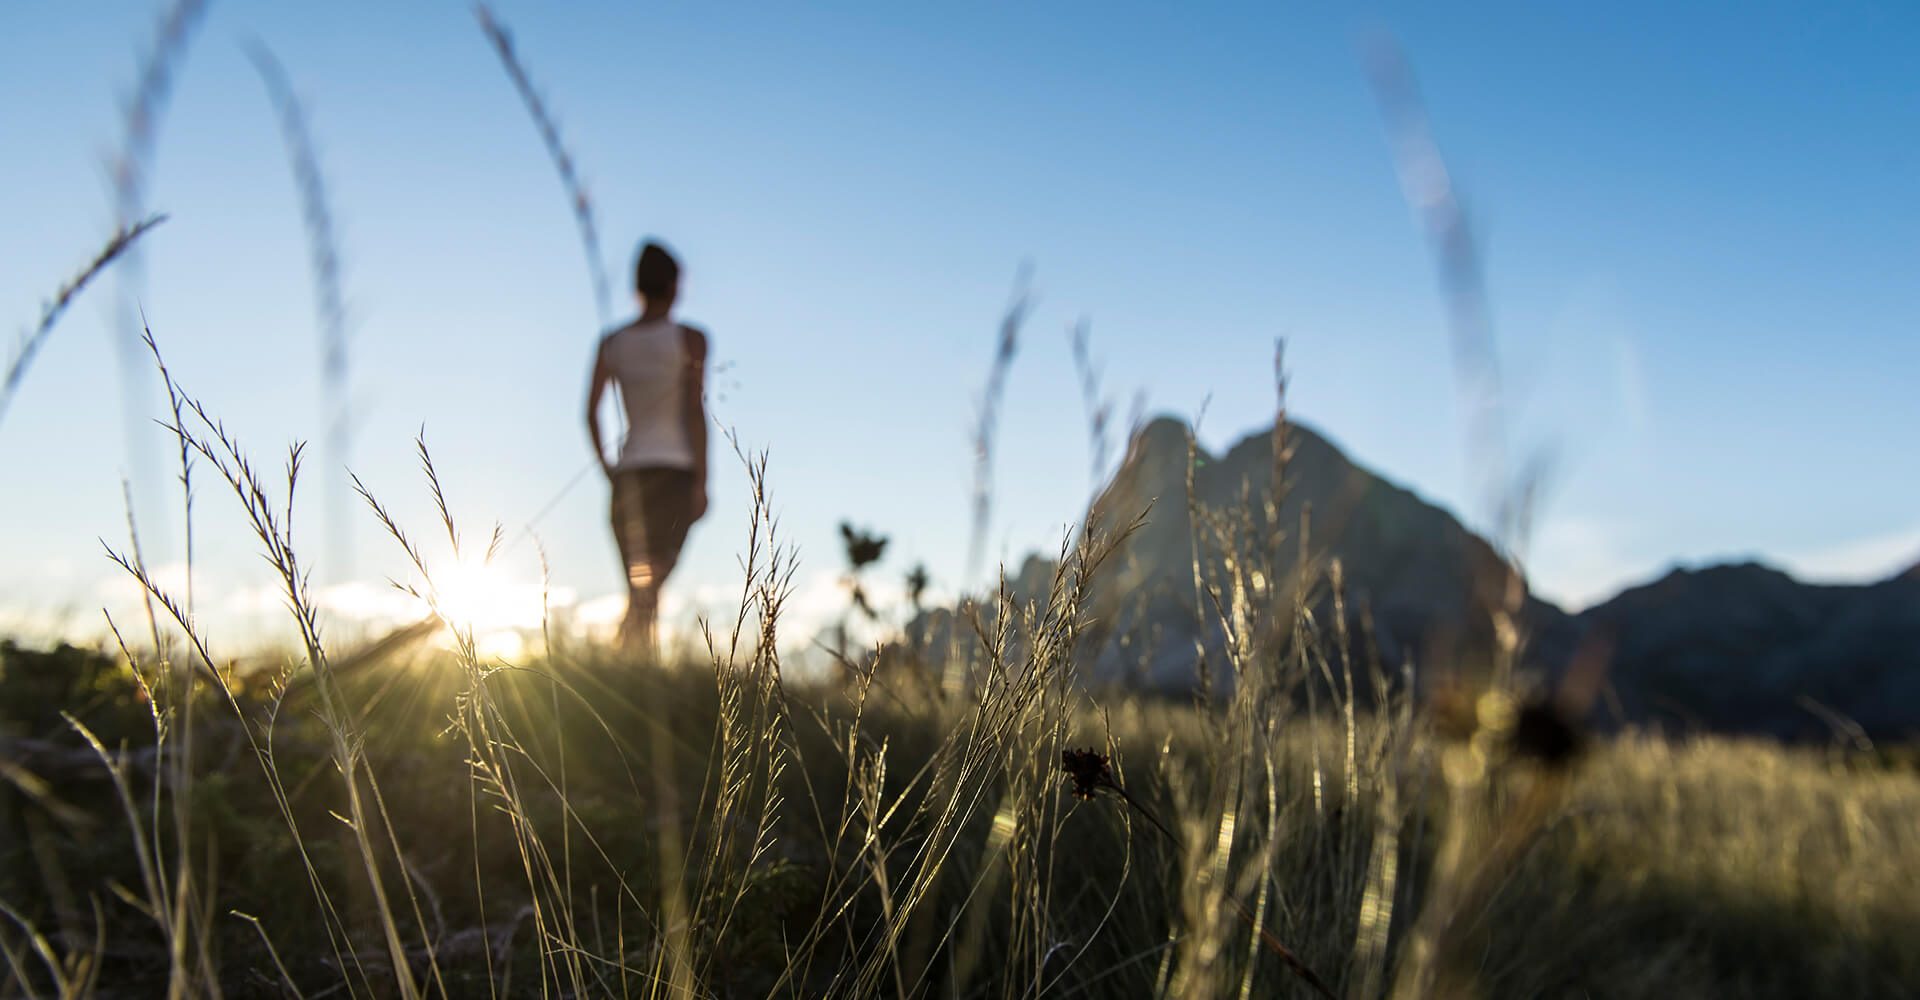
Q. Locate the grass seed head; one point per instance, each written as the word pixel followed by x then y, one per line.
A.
pixel 1089 769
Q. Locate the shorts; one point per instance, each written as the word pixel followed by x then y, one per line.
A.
pixel 652 510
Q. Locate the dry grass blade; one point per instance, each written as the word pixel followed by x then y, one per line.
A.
pixel 272 952
pixel 142 113
pixel 563 161
pixel 272 527
pixel 1510 495
pixel 1430 189
pixel 987 420
pixel 1091 773
pixel 330 314
pixel 1098 406
pixel 131 166
pixel 579 203
pixel 50 314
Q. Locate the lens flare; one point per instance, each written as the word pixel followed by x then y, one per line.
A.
pixel 485 601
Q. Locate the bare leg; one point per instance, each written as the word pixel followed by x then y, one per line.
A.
pixel 629 536
pixel 649 532
pixel 637 630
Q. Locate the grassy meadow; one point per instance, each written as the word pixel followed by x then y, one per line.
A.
pixel 960 816
pixel 410 819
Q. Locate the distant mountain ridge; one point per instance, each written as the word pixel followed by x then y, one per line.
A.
pixel 1734 648
pixel 1745 647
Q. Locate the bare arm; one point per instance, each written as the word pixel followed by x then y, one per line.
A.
pixel 596 389
pixel 694 410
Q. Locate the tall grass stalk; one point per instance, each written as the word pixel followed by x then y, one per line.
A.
pixel 564 163
pixel 579 204
pixel 209 440
pixel 34 339
pixel 1497 800
pixel 493 747
pixel 987 412
pixel 329 304
pixel 129 170
pixel 1097 405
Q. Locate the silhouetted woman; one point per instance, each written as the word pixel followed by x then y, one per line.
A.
pixel 659 477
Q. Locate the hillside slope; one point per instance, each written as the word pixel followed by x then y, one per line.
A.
pixel 1420 574
pixel 1736 648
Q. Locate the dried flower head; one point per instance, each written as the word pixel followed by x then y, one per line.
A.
pixel 917 581
pixel 1544 731
pixel 1539 726
pixel 863 547
pixel 1089 769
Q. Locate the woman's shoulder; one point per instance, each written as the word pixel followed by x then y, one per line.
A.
pixel 612 334
pixel 641 328
pixel 694 337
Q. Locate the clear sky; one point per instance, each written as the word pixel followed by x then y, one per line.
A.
pixel 1700 230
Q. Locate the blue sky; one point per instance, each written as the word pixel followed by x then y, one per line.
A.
pixel 1700 232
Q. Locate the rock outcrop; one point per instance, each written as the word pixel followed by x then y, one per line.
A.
pixel 1738 648
pixel 1421 576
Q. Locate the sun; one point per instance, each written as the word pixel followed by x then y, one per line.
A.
pixel 482 599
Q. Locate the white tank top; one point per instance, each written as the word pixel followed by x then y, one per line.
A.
pixel 649 363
